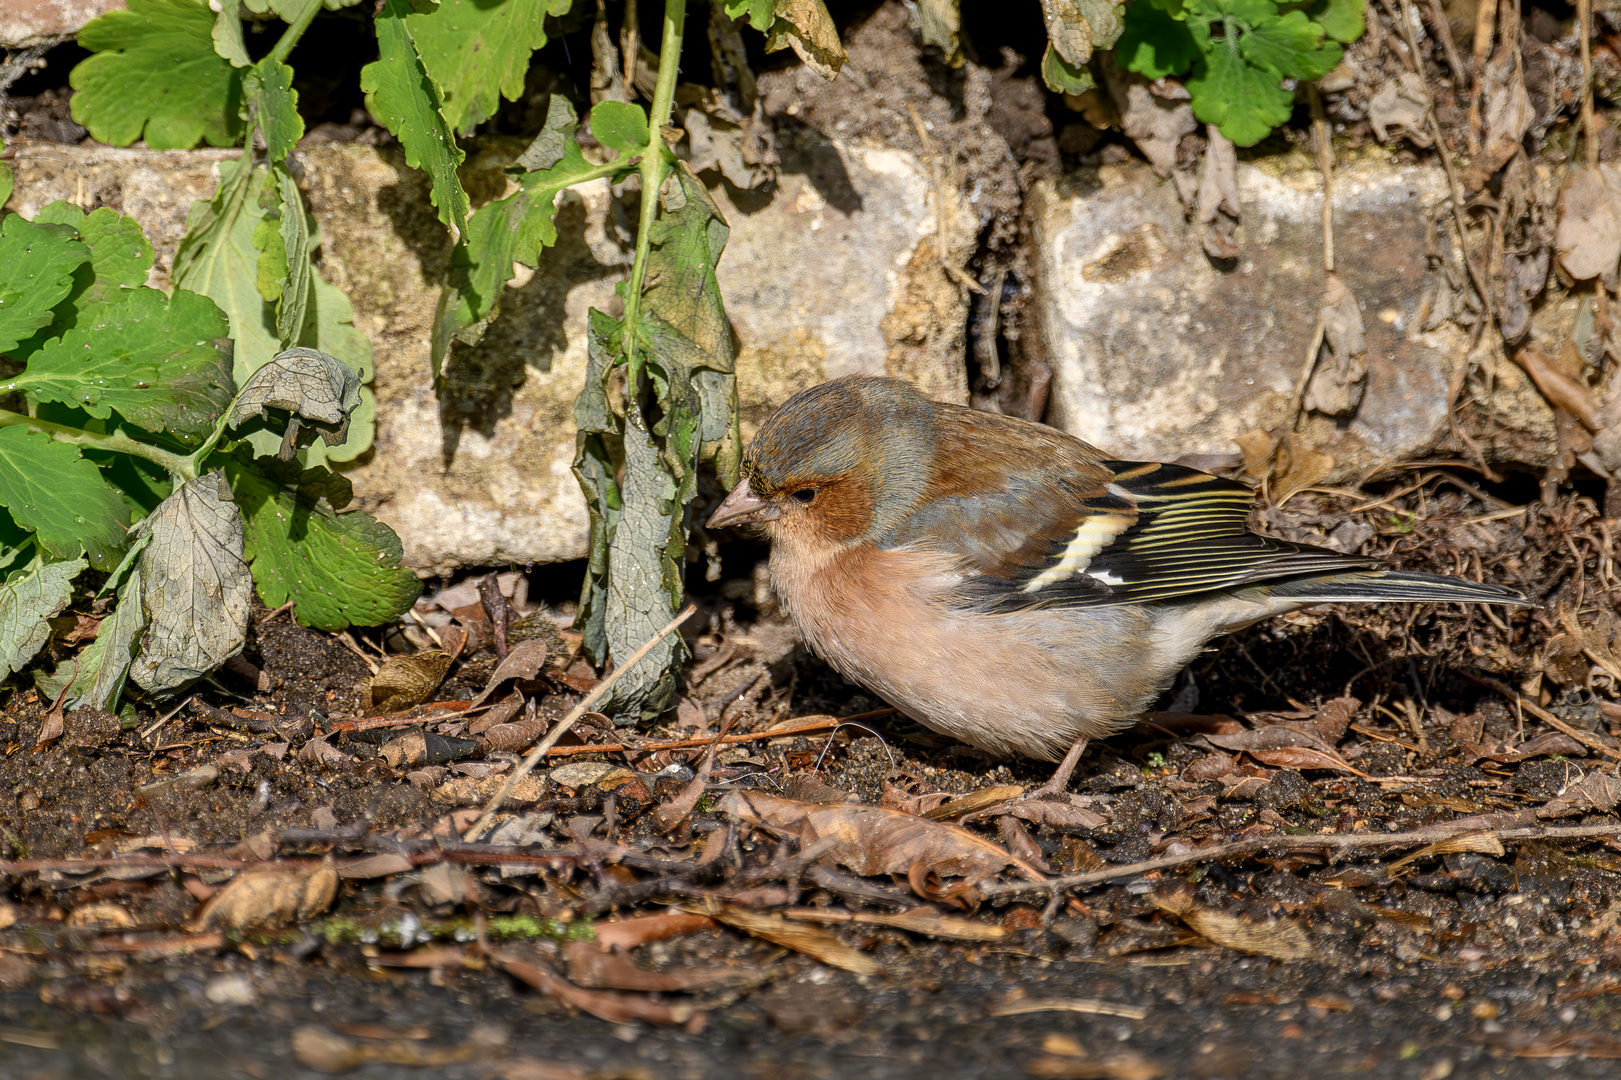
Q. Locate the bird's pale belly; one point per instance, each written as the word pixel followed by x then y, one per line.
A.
pixel 1010 683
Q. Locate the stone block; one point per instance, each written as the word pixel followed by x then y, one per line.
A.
pixel 1158 352
pixel 26 23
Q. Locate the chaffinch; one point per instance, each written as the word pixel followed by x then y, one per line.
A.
pixel 1006 584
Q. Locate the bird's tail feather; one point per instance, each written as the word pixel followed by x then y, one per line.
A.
pixel 1399 585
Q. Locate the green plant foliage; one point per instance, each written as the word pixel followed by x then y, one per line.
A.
pixel 155 73
pixel 478 52
pixel 683 342
pixel 61 498
pixel 338 569
pixel 619 126
pixel 95 677
pixel 1238 52
pixel 27 601
pixel 1060 77
pixel 269 87
pixel 404 98
pixel 37 262
pixel 164 363
pixel 514 229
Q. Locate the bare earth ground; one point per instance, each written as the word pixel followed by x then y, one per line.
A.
pixel 1495 955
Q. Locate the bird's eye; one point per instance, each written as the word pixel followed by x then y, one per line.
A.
pixel 805 495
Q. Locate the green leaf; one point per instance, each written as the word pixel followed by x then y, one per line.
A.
pixel 120 256
pixel 7 180
pixel 619 126
pixel 1244 101
pixel 1341 20
pixel 60 497
pixel 1291 45
pixel 195 585
pixel 1154 44
pixel 551 145
pixel 282 237
pixel 164 363
pixel 478 52
pixel 339 569
pixel 514 229
pixel 37 262
pixel 154 70
pixel 760 13
pixel 1060 77
pixel 229 41
pixel 1244 12
pixel 26 603
pixel 276 108
pixel 404 98
pixel 95 677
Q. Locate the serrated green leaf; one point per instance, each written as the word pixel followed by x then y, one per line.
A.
pixel 1341 20
pixel 195 585
pixel 514 229
pixel 60 497
pixel 164 363
pixel 26 602
pixel 95 677
pixel 1060 77
pixel 1245 13
pixel 276 107
pixel 1154 44
pixel 120 255
pixel 619 126
pixel 404 98
pixel 549 147
pixel 7 180
pixel 1291 45
pixel 37 262
pixel 282 237
pixel 155 71
pixel 229 41
pixel 478 52
pixel 339 569
pixel 1244 101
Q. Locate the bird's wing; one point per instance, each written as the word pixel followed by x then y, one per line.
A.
pixel 1150 532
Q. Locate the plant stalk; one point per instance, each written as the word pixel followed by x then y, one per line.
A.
pixel 123 444
pixel 653 169
pixel 289 37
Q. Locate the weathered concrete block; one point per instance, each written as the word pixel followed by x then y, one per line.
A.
pixel 1157 352
pixel 25 23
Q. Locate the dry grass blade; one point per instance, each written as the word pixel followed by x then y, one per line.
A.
pixel 1089 1006
pixel 974 800
pixel 585 706
pixel 1475 841
pixel 918 922
pixel 629 933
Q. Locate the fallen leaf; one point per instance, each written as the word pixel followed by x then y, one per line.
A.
pixel 1277 938
pixel 1217 209
pixel 1589 233
pixel 271 897
pixel 1508 114
pixel 1340 378
pixel 1398 110
pixel 1333 717
pixel 1059 815
pixel 406 681
pixel 806 26
pixel 1157 125
pixel 1597 792
pixel 1128 1065
pixel 1470 841
pixel 871 840
pixel 819 944
pixel 643 929
pixel 1304 757
pixel 594 967
pixel 609 1005
pixel 918 921
pixel 1562 390
pixel 974 800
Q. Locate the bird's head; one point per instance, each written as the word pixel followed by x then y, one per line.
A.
pixel 838 463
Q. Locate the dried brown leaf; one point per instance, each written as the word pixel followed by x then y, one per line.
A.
pixel 272 897
pixel 819 944
pixel 1398 110
pixel 1218 206
pixel 1277 938
pixel 1484 842
pixel 1562 390
pixel 1589 233
pixel 918 921
pixel 1059 815
pixel 1303 757
pixel 593 967
pixel 523 662
pixel 1333 717
pixel 1597 792
pixel 643 929
pixel 873 840
pixel 974 800
pixel 406 681
pixel 609 1005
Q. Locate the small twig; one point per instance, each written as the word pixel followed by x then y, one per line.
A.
pixel 1440 27
pixel 1329 841
pixel 597 693
pixel 288 606
pixel 1584 24
pixel 942 229
pixel 164 719
pixel 348 639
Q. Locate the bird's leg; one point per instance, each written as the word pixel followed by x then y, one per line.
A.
pixel 1059 783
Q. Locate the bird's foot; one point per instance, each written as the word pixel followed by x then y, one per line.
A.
pixel 1057 786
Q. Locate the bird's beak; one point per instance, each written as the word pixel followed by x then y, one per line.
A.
pixel 742 506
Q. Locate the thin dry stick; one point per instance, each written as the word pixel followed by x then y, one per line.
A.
pixel 1584 23
pixel 1442 30
pixel 1485 28
pixel 1329 841
pixel 568 721
pixel 942 228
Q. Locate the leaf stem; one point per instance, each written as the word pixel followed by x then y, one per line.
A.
pixel 123 444
pixel 653 168
pixel 289 38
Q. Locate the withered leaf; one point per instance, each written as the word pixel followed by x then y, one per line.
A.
pixel 827 947
pixel 1398 109
pixel 406 681
pixel 1281 939
pixel 316 388
pixel 873 840
pixel 270 898
pixel 1589 233
pixel 1302 757
pixel 806 26
pixel 594 967
pixel 1597 792
pixel 523 662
